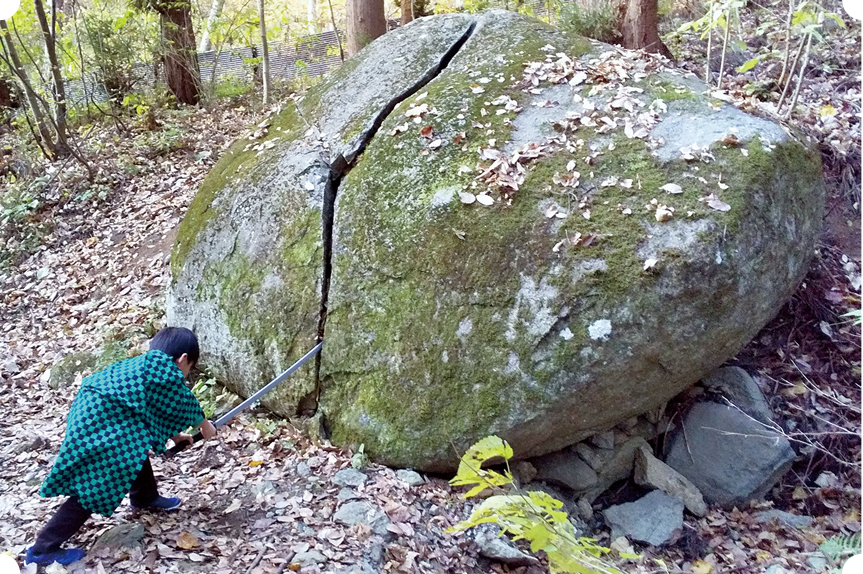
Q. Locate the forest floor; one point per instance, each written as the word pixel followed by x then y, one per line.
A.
pixel 86 267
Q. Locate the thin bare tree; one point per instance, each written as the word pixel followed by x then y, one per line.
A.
pixel 265 54
pixel 366 21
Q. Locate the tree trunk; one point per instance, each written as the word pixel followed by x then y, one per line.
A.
pixel 640 27
pixel 215 12
pixel 14 63
pixel 58 87
pixel 366 21
pixel 265 56
pixel 413 9
pixel 312 16
pixel 407 11
pixel 181 59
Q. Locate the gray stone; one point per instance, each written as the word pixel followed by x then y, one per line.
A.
pixel 728 456
pixel 524 472
pixel 347 494
pixel 127 535
pixel 644 428
pixel 501 550
pixel 652 519
pixel 776 569
pixel 739 388
pixel 362 512
pixel 585 509
pixel 308 557
pixel 548 345
pixel 263 488
pixel 594 458
pixel 817 561
pixel 412 478
pixel 619 467
pixel 349 477
pixel 603 439
pixel 651 472
pixel 303 468
pixel 566 469
pixel 364 567
pixel 30 443
pixel 782 517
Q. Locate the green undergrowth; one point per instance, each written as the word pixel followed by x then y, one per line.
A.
pixel 532 516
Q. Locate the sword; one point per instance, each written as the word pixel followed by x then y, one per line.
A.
pixel 225 418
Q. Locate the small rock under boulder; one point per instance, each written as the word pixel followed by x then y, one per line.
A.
pixel 727 455
pixel 652 519
pixel 736 385
pixel 650 472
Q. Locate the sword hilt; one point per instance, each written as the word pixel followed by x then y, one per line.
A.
pixel 181 446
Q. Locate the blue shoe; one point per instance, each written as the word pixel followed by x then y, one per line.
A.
pixel 161 503
pixel 63 556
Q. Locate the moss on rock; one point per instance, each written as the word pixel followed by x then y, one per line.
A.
pixel 555 311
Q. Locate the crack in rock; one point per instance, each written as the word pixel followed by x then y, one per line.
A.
pixel 344 162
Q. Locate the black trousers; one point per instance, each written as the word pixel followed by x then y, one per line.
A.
pixel 71 515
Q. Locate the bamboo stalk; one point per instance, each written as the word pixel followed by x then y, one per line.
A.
pixel 724 48
pixel 787 40
pixel 790 77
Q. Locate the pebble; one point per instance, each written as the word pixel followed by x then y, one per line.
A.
pixel 411 477
pixel 349 477
pixel 303 469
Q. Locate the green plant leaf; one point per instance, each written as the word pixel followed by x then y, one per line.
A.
pixel 470 471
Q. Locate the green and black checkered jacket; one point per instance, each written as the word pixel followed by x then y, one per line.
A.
pixel 119 414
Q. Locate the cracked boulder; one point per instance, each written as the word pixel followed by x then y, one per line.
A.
pixel 497 229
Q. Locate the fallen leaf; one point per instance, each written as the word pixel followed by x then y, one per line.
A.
pixel 417 111
pixel 427 132
pixel 187 541
pixel 235 505
pixel 664 213
pixel 466 197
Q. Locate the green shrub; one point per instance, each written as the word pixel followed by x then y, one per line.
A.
pixel 532 516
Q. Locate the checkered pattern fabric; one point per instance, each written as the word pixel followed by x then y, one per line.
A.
pixel 119 414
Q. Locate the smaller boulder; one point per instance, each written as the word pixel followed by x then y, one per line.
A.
pixel 652 519
pixel 650 472
pixel 735 384
pixel 727 455
pixel 603 439
pixel 565 468
pixel 619 467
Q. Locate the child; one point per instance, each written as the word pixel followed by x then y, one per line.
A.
pixel 118 415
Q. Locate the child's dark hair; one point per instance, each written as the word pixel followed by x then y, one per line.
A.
pixel 175 341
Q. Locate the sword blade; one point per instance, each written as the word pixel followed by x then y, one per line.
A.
pixel 225 418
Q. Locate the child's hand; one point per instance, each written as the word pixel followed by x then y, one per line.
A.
pixel 183 437
pixel 208 430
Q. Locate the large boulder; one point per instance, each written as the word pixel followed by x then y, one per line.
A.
pixel 475 214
